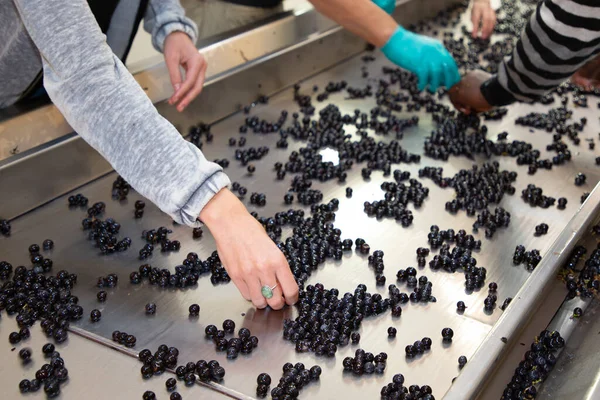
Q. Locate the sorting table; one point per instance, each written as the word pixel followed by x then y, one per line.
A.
pixel 96 367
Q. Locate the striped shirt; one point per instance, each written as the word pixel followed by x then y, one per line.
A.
pixel 558 39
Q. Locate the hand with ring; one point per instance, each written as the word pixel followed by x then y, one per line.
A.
pixel 255 264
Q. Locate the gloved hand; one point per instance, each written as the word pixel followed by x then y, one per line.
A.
pixel 386 5
pixel 425 57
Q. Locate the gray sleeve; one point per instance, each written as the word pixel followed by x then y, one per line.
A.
pixel 164 17
pixel 106 106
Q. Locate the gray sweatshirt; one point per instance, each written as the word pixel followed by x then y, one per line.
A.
pixel 101 100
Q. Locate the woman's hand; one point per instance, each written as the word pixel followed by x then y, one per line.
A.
pixel 466 96
pixel 484 16
pixel 180 51
pixel 250 257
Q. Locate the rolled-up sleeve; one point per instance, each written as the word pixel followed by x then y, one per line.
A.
pixel 164 17
pixel 107 108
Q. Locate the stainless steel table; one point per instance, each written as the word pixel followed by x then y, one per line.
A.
pixel 124 309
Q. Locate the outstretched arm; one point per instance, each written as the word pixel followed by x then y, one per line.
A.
pixel 106 106
pixel 424 56
pixel 361 17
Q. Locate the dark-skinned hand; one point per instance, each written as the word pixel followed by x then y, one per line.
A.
pixel 466 95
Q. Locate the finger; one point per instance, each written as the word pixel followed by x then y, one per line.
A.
pixel 238 282
pixel 436 77
pixel 195 91
pixel 423 77
pixel 174 74
pixel 192 69
pixel 276 302
pixel 476 15
pixel 463 108
pixel 458 106
pixel 243 288
pixel 288 284
pixel 489 21
pixel 255 293
pixel 448 77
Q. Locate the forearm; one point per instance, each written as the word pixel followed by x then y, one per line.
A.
pixel 106 106
pixel 559 38
pixel 361 17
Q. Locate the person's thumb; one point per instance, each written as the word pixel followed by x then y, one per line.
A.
pixel 463 108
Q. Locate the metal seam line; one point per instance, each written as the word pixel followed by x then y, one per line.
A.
pixel 134 354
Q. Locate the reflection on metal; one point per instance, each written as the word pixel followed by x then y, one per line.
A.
pixel 330 155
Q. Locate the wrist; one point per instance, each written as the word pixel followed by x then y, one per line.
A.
pixel 394 36
pixel 495 94
pixel 220 209
pixel 186 27
pixel 177 35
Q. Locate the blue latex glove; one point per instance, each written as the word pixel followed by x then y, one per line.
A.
pixel 386 5
pixel 425 57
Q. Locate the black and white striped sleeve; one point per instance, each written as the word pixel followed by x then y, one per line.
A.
pixel 559 38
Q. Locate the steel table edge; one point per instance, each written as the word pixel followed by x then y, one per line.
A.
pixel 490 353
